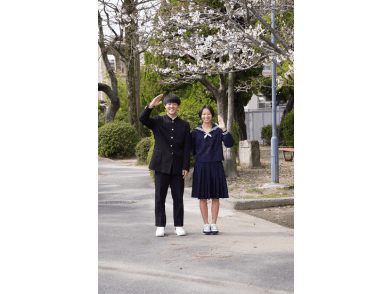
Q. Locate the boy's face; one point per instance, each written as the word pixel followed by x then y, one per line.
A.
pixel 171 109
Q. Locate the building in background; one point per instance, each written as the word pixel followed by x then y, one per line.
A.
pixel 258 112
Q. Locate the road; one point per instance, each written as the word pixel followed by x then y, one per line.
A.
pixel 250 255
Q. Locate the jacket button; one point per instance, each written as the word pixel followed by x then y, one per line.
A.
pixel 171 145
pixel 172 152
pixel 172 137
pixel 172 129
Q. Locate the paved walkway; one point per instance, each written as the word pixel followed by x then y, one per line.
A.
pixel 250 255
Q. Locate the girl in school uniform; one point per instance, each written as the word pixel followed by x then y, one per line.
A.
pixel 209 180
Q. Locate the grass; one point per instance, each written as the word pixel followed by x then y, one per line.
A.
pixel 231 187
pixel 254 190
pixel 273 195
pixel 276 195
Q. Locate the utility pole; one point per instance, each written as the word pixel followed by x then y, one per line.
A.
pixel 274 139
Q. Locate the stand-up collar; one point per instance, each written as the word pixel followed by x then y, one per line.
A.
pixel 172 118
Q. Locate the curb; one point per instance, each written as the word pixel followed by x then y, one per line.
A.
pixel 243 204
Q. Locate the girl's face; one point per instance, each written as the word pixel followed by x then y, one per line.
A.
pixel 206 116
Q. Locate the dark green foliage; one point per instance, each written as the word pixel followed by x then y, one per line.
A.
pixel 191 100
pixel 101 120
pixel 282 93
pixel 142 149
pixel 288 128
pixel 266 133
pixel 288 131
pixel 149 155
pixel 117 139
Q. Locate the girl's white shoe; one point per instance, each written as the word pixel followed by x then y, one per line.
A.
pixel 206 229
pixel 214 229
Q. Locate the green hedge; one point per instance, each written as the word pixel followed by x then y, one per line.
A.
pixel 142 149
pixel 287 131
pixel 288 128
pixel 101 120
pixel 117 139
pixel 149 155
pixel 100 123
pixel 266 133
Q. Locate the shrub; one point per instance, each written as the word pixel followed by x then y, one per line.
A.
pixel 288 128
pixel 266 133
pixel 149 155
pixel 101 120
pixel 100 123
pixel 142 149
pixel 117 139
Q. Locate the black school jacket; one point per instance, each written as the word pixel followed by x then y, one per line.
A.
pixel 172 142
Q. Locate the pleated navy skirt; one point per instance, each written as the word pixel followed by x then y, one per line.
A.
pixel 209 181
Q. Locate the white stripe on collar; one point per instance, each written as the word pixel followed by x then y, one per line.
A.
pixel 207 133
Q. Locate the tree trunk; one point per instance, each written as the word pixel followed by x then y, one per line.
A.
pixel 229 163
pixel 219 94
pixel 133 88
pixel 222 107
pixel 114 102
pixel 239 117
pixel 133 68
pixel 137 94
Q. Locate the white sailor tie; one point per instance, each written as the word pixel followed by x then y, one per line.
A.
pixel 207 134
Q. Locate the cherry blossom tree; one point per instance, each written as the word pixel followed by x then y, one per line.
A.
pixel 198 39
pixel 239 32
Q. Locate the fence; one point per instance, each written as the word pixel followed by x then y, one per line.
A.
pixel 255 119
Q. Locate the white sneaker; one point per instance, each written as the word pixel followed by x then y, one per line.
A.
pixel 160 232
pixel 207 229
pixel 180 231
pixel 214 229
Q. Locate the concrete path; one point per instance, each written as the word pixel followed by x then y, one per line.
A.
pixel 250 255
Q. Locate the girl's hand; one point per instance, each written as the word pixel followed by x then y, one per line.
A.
pixel 221 123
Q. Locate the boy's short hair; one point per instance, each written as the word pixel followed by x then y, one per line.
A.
pixel 171 98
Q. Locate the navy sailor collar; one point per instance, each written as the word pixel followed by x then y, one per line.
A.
pixel 200 128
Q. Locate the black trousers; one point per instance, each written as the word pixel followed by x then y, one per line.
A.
pixel 162 182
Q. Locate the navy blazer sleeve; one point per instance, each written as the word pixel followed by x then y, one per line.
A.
pixel 228 139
